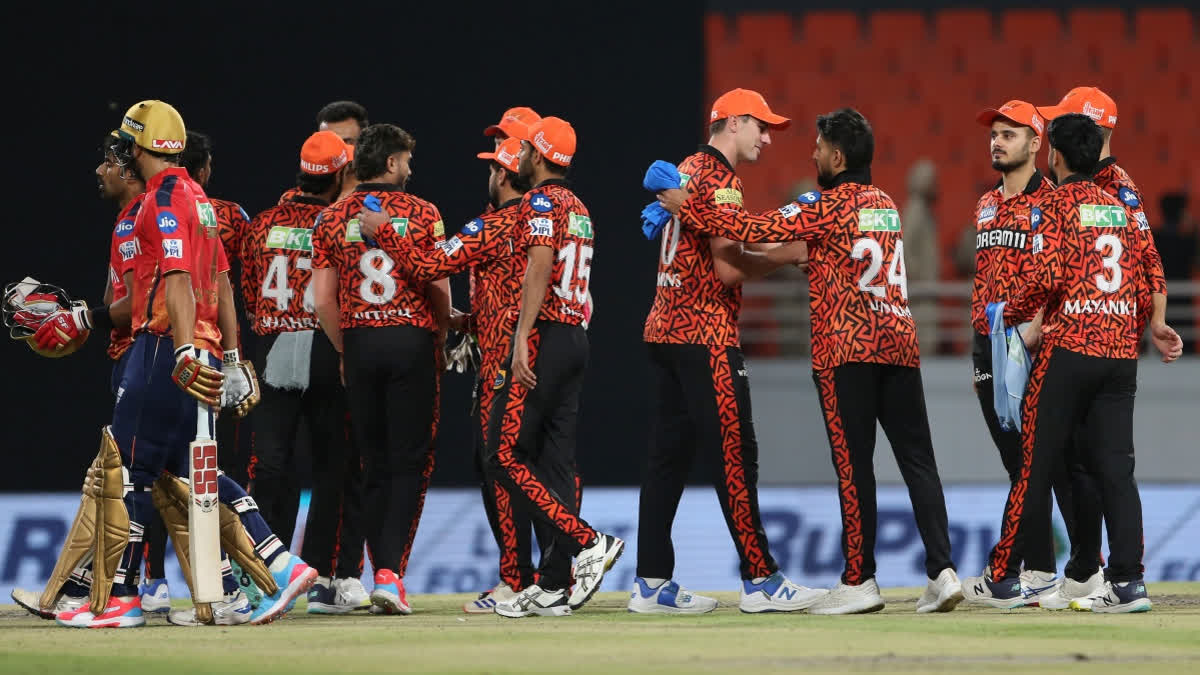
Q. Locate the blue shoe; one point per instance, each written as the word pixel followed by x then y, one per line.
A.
pixel 323 600
pixel 156 597
pixel 668 598
pixel 1122 598
pixel 295 578
pixel 1002 594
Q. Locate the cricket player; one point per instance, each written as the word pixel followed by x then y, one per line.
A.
pixel 387 330
pixel 702 385
pixel 184 318
pixel 1089 272
pixel 485 245
pixel 301 375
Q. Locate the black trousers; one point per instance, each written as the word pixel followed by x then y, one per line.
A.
pixel 853 397
pixel 333 510
pixel 702 405
pixel 391 390
pixel 531 445
pixel 1068 391
pixel 510 524
pixel 1074 490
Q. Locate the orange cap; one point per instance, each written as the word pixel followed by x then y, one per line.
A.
pixel 554 138
pixel 324 152
pixel 507 155
pixel 1088 101
pixel 746 102
pixel 514 123
pixel 1018 112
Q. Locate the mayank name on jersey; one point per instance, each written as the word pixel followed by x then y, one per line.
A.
pixel 1101 215
pixel 1100 307
pixel 878 220
pixel 290 238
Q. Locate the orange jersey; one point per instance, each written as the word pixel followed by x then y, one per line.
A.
pixel 857 285
pixel 276 255
pixel 487 246
pixel 692 305
pixel 120 260
pixel 233 223
pixel 1086 270
pixel 371 291
pixel 288 194
pixel 177 231
pixel 1002 235
pixel 1116 182
pixel 553 216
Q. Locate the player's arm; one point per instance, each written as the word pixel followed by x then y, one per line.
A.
pixel 227 313
pixel 533 294
pixel 1165 339
pixel 1043 272
pixel 66 325
pixel 736 262
pixel 701 212
pixel 241 390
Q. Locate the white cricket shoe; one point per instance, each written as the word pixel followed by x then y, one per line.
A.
pixel 1035 585
pixel 32 603
pixel 535 601
pixel 486 602
pixel 667 598
pixel 349 593
pixel 156 597
pixel 843 599
pixel 777 593
pixel 941 594
pixel 591 565
pixel 1071 591
pixel 234 610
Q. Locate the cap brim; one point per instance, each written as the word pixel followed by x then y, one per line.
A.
pixel 493 130
pixel 486 155
pixel 774 121
pixel 1051 111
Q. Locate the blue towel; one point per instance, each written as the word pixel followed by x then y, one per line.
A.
pixel 371 202
pixel 660 176
pixel 1010 368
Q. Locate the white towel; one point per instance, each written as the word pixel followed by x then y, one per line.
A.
pixel 289 361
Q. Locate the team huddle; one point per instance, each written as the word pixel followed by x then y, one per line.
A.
pixel 344 284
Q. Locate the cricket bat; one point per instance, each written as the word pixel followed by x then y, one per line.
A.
pixel 204 544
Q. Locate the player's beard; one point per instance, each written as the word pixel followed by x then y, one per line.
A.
pixel 825 177
pixel 1010 163
pixel 493 194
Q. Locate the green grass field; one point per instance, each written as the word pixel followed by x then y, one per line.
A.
pixel 604 638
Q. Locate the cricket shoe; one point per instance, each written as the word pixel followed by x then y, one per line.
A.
pixel 535 601
pixel 1036 585
pixel 861 598
pixel 120 613
pixel 156 597
pixel 349 592
pixel 293 579
pixel 592 563
pixel 1002 594
pixel 941 594
pixel 32 602
pixel 251 590
pixel 323 600
pixel 388 594
pixel 1122 598
pixel 486 602
pixel 777 593
pixel 1071 591
pixel 234 610
pixel 668 598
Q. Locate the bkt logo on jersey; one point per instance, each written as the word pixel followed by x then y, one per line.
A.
pixel 124 228
pixel 167 222
pixel 541 203
pixel 1128 197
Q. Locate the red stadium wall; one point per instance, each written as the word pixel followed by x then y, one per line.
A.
pixel 920 78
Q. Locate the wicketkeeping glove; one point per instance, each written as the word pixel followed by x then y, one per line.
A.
pixel 201 381
pixel 241 390
pixel 63 327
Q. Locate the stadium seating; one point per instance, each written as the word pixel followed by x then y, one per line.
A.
pixel 921 78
